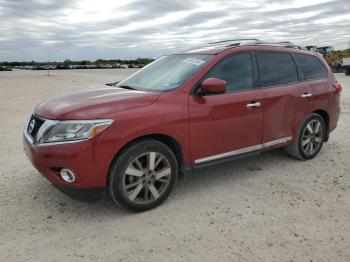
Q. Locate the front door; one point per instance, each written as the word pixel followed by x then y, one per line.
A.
pixel 227 124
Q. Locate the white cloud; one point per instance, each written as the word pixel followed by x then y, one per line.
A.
pixel 90 29
pixel 92 11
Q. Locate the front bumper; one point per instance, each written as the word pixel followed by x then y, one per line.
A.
pixel 89 162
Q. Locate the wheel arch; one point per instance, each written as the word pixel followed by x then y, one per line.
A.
pixel 171 142
pixel 324 114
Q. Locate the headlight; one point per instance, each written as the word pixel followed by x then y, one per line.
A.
pixel 73 130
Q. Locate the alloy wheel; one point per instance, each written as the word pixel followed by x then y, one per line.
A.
pixel 312 137
pixel 146 178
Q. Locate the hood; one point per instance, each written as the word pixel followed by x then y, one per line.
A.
pixel 94 103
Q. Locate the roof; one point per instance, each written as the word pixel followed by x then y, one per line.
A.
pixel 221 46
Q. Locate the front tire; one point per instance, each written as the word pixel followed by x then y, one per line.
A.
pixel 310 137
pixel 143 175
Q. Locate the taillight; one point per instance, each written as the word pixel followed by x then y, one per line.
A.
pixel 337 87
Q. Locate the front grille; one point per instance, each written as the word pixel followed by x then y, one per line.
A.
pixel 34 125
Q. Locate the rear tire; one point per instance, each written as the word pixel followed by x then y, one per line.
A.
pixel 143 175
pixel 310 137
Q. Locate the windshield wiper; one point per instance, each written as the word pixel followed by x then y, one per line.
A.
pixel 127 87
pixel 112 84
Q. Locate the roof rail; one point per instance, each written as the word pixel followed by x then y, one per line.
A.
pixel 280 44
pixel 254 41
pixel 235 40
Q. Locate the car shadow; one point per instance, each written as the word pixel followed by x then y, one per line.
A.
pixel 192 183
pixel 230 172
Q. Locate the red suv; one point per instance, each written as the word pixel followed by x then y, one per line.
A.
pixel 184 111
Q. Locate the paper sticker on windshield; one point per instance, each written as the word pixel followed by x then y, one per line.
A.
pixel 194 61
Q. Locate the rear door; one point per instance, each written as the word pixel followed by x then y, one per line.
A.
pixel 325 96
pixel 315 74
pixel 227 124
pixel 286 99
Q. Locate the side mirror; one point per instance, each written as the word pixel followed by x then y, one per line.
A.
pixel 213 86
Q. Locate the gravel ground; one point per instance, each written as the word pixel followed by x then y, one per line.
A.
pixel 264 208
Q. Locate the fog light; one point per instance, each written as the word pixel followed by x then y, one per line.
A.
pixel 67 175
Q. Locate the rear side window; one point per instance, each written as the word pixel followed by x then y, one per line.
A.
pixel 311 66
pixel 236 70
pixel 276 68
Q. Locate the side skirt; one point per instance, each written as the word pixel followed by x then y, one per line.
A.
pixel 226 159
pixel 237 154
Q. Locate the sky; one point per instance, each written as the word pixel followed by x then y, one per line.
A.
pixel 55 30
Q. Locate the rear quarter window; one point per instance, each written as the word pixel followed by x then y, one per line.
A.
pixel 276 68
pixel 311 66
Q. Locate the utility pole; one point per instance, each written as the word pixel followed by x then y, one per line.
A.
pixel 48 68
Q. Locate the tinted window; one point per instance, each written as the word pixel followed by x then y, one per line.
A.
pixel 236 70
pixel 311 66
pixel 276 68
pixel 166 73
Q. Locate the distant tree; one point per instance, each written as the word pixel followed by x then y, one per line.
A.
pixel 144 61
pixel 137 61
pixel 84 62
pixel 67 62
pixel 100 61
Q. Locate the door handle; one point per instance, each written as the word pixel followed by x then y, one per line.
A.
pixel 305 95
pixel 253 105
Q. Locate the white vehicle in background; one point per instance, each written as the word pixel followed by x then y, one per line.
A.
pixel 346 65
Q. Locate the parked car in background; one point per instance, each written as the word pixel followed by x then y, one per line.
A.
pixel 184 111
pixel 5 68
pixel 346 65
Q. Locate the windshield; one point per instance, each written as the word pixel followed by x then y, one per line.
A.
pixel 166 73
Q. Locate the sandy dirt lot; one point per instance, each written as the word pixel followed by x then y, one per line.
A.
pixel 265 208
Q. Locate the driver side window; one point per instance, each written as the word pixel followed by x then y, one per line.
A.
pixel 236 70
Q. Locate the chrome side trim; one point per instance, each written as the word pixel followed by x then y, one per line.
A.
pixel 231 153
pixel 277 141
pixel 244 150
